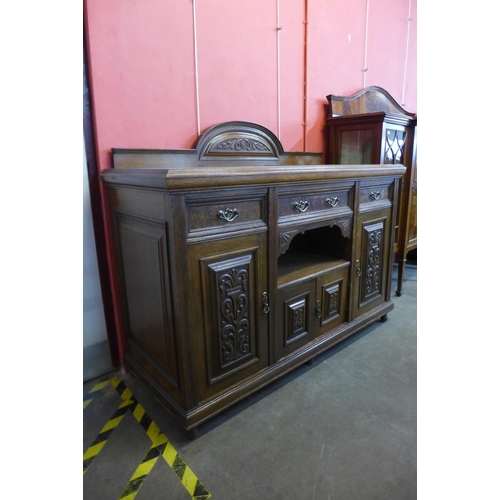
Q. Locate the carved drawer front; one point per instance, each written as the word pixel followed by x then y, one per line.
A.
pixel 373 195
pixel 303 204
pixel 226 213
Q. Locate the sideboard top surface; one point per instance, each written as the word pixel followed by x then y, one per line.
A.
pixel 219 176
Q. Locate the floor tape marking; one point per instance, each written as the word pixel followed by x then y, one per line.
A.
pixel 160 445
pixel 88 398
pixel 145 467
pixel 185 474
pixel 173 459
pixel 105 433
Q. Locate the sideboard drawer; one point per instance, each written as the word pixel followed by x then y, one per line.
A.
pixel 375 194
pixel 306 203
pixel 225 213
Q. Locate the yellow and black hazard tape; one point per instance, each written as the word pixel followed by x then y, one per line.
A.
pixel 144 468
pixel 160 446
pixel 106 431
pixel 138 412
pixel 87 399
pixel 185 474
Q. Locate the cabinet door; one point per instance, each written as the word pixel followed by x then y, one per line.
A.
pixel 355 144
pixel 372 261
pixel 309 309
pixel 295 321
pixel 228 324
pixel 331 299
pixel 396 145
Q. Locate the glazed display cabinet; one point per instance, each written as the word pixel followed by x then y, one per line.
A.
pixel 370 127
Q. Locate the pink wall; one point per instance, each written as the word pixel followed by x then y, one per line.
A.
pixel 143 67
pixel 142 63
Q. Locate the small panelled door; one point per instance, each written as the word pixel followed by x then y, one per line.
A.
pixel 309 309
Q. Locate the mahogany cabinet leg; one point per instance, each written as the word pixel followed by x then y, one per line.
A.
pixel 401 274
pixel 383 318
pixel 310 362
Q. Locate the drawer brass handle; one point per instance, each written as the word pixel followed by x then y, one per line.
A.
pixel 319 314
pixel 333 202
pixel 375 195
pixel 301 206
pixel 358 268
pixel 229 214
pixel 265 303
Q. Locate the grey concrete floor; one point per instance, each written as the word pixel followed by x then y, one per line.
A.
pixel 342 429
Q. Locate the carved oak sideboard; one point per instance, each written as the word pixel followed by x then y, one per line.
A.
pixel 238 262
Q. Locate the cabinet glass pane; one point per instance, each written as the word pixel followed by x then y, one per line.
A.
pixel 355 147
pixel 394 146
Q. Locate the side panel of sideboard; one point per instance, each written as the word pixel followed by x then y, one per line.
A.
pixel 145 258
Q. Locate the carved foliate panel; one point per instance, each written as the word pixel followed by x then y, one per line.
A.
pixel 239 145
pixel 234 319
pixel 373 239
pixel 233 305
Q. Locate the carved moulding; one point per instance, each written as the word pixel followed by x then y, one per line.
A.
pixel 345 226
pixel 286 237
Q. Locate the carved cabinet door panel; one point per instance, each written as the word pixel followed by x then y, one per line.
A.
pixel 228 320
pixel 372 261
pixel 331 299
pixel 295 321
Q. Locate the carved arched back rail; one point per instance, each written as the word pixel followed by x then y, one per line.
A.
pixel 235 143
